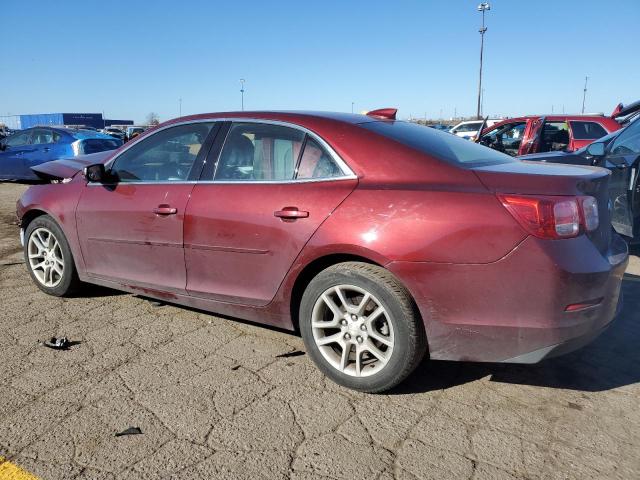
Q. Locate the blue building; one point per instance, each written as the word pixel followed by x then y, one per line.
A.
pixel 94 120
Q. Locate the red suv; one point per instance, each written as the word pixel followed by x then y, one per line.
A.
pixel 536 134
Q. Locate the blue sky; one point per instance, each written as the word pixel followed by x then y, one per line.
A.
pixel 128 58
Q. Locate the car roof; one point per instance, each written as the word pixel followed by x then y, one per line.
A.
pixel 293 116
pixel 78 133
pixel 556 116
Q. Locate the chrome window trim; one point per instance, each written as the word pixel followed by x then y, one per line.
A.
pixel 229 182
pixel 348 174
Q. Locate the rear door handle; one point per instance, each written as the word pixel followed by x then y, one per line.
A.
pixel 165 210
pixel 290 213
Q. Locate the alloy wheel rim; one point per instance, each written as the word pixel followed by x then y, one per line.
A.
pixel 353 330
pixel 46 259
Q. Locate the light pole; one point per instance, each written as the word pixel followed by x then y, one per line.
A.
pixel 584 92
pixel 483 7
pixel 351 107
pixel 242 92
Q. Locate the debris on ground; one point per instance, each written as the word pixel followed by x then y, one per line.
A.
pixel 61 343
pixel 295 353
pixel 129 431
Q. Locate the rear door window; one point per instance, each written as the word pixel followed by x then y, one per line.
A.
pixel 555 137
pixel 42 136
pixel 316 162
pixel 587 130
pixel 259 152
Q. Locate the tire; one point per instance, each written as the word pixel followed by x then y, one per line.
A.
pixel 369 346
pixel 49 259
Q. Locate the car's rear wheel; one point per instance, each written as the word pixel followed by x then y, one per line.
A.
pixel 361 327
pixel 49 259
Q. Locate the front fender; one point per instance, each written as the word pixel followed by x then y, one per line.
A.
pixel 59 201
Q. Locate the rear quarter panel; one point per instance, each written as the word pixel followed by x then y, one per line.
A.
pixel 419 225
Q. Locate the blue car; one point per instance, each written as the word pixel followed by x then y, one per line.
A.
pixel 33 146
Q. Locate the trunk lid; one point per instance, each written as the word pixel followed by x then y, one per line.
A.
pixel 537 178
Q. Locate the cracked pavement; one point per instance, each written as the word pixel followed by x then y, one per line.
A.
pixel 221 398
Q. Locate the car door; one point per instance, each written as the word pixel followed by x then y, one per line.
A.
pixel 42 143
pixel 14 148
pixel 251 215
pixel 583 133
pixel 623 159
pixel 131 226
pixel 532 136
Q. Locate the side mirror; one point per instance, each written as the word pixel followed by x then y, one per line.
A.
pixel 596 149
pixel 95 173
pixel 3 146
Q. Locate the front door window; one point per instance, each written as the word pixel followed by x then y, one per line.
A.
pixel 506 138
pixel 166 156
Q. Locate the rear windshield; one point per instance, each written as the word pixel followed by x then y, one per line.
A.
pixel 442 145
pixel 95 145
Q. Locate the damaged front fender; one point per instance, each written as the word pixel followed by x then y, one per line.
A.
pixel 66 169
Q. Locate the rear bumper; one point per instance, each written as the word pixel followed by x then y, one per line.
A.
pixel 513 310
pixel 564 347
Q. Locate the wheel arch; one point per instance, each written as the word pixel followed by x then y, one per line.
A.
pixel 312 269
pixel 36 212
pixel 317 265
pixel 30 215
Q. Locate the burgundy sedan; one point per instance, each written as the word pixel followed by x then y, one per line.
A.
pixel 379 240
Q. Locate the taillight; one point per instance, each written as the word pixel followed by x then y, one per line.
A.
pixel 553 216
pixel 590 216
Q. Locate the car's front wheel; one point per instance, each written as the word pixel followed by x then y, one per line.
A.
pixel 48 257
pixel 361 327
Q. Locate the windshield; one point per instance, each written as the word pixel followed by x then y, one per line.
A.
pixel 628 140
pixel 438 144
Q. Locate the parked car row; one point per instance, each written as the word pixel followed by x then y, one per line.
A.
pixel 33 146
pixel 546 133
pixel 619 152
pixel 20 150
pixel 125 133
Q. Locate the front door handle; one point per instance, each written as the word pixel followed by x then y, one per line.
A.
pixel 165 210
pixel 290 213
